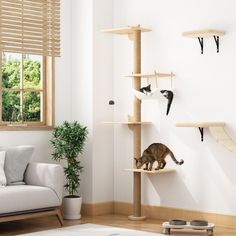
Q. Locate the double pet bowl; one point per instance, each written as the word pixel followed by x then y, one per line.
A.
pixel 183 224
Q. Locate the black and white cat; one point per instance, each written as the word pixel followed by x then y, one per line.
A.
pixel 146 89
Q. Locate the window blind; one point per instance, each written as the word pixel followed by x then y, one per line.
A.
pixel 30 26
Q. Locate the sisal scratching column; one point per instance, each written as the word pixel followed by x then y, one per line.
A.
pixel 136 37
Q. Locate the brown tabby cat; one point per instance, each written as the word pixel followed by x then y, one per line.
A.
pixel 156 152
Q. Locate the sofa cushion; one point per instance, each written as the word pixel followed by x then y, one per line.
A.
pixel 26 197
pixel 3 180
pixel 16 161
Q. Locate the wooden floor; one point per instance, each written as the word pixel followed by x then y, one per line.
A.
pixel 34 225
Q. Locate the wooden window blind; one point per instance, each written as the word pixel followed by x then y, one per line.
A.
pixel 30 26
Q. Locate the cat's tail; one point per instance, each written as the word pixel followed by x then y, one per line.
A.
pixel 175 160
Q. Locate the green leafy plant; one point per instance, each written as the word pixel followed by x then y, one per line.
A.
pixel 68 142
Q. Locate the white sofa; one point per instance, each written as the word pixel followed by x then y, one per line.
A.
pixel 41 195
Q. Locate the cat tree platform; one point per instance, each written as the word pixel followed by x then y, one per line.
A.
pixel 128 122
pixel 153 75
pixel 126 30
pixel 131 124
pixel 161 171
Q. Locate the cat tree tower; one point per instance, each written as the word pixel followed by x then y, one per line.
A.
pixel 134 34
pixel 135 121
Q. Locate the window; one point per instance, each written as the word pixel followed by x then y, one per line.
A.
pixel 29 42
pixel 26 86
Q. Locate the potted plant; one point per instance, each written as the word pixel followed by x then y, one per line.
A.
pixel 68 142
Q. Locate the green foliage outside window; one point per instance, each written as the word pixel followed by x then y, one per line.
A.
pixel 11 106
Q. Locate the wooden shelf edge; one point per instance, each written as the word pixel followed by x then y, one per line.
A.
pixel 162 171
pixel 128 122
pixel 201 124
pixel 203 33
pixel 154 75
pixel 126 30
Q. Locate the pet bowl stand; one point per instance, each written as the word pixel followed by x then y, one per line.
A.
pixel 167 227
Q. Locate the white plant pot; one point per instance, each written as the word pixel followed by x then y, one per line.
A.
pixel 72 208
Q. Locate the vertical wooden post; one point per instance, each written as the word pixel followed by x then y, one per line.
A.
pixel 137 128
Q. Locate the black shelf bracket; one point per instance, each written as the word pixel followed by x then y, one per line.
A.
pixel 217 40
pixel 201 132
pixel 200 39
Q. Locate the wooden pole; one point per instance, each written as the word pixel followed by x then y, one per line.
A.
pixel 137 128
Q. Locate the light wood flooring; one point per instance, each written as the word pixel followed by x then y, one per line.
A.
pixel 151 225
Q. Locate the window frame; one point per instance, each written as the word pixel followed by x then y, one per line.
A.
pixel 48 99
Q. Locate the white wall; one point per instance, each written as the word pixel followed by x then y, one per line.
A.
pixel 204 90
pixel 82 77
pixel 103 135
pixel 91 90
pixel 62 92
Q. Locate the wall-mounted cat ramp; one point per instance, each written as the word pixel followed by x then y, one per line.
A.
pixel 217 130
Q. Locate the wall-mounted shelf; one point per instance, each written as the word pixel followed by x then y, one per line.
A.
pixel 201 34
pixel 217 131
pixel 200 125
pixel 162 171
pixel 153 75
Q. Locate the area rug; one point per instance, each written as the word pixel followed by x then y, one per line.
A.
pixel 92 230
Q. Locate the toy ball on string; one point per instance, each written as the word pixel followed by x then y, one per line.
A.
pixel 111 102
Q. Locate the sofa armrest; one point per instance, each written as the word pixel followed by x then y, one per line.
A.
pixel 46 175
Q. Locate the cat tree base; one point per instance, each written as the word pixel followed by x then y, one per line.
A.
pixel 137 218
